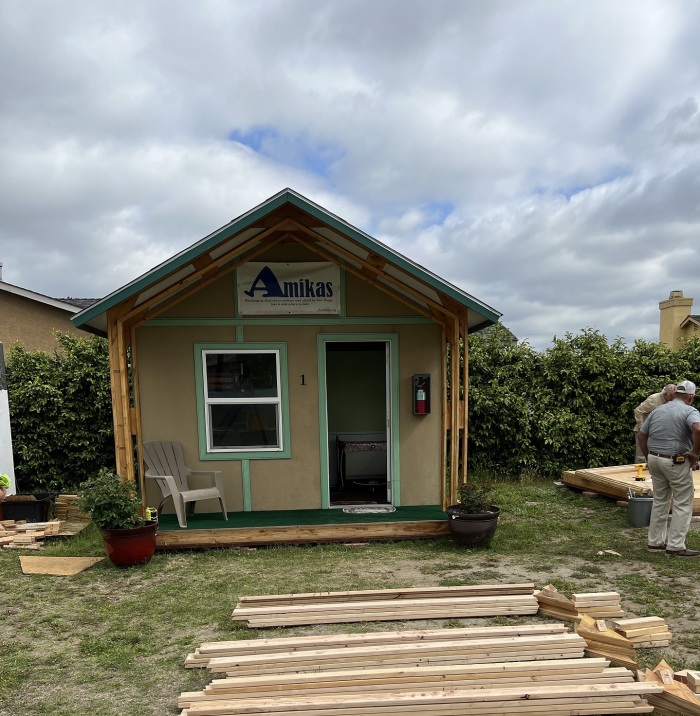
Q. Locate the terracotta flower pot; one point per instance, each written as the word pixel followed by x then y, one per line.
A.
pixel 473 530
pixel 127 548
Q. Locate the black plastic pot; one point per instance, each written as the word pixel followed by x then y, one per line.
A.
pixel 473 530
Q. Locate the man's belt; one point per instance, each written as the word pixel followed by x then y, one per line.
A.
pixel 658 454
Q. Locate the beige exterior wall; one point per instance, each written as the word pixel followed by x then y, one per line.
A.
pixel 32 323
pixel 166 369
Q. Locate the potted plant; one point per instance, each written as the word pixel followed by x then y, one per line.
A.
pixel 112 503
pixel 473 520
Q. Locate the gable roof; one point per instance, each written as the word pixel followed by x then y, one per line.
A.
pixel 63 304
pixel 349 243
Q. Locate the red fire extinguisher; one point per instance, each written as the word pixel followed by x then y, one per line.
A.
pixel 421 398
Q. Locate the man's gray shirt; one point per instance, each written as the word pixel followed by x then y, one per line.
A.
pixel 669 428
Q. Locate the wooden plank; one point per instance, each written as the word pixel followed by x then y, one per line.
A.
pixel 259 646
pixel 526 588
pixel 369 604
pixel 312 534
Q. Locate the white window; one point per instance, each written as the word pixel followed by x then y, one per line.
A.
pixel 243 401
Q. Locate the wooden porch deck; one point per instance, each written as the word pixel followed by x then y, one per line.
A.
pixel 616 482
pixel 254 529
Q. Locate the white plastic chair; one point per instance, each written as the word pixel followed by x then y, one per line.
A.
pixel 166 465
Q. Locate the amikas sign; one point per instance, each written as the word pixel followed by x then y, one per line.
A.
pixel 274 289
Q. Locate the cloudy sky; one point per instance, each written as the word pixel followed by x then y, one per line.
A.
pixel 543 155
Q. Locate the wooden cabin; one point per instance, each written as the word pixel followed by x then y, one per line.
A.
pixel 311 364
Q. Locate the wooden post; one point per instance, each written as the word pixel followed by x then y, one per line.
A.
pixel 464 403
pixel 119 380
pixel 444 421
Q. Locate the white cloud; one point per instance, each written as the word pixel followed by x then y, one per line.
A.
pixel 543 156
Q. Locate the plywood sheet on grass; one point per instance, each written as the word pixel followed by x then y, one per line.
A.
pixel 57 566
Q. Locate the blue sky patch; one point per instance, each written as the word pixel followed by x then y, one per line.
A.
pixel 297 150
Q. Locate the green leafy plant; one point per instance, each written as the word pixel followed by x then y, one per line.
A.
pixel 474 498
pixel 111 502
pixel 4 481
pixel 60 413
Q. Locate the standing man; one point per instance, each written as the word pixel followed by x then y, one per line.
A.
pixel 670 439
pixel 643 410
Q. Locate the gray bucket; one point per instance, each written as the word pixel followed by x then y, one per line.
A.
pixel 639 511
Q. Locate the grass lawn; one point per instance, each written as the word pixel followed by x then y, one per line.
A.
pixel 110 642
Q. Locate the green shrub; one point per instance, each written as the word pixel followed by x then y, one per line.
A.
pixel 60 413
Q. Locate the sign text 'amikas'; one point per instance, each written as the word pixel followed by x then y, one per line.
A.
pixel 288 288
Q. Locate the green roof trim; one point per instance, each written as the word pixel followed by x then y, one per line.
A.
pixel 247 220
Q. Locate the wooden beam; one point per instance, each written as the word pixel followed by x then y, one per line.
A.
pixel 464 402
pixel 445 494
pixel 312 534
pixel 119 383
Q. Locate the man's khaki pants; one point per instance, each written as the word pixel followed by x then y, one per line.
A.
pixel 671 482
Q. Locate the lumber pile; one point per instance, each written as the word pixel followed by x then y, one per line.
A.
pixel 26 535
pixel 676 697
pixel 690 678
pixel 459 651
pixel 67 509
pixel 529 669
pixel 644 632
pixel 554 604
pixel 241 647
pixel 599 605
pixel 386 605
pixel 607 643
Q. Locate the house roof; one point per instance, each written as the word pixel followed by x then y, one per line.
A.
pixel 64 304
pixel 690 319
pixel 348 241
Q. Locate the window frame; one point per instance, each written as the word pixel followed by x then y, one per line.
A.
pixel 209 452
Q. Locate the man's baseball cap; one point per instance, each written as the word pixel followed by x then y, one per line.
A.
pixel 685 387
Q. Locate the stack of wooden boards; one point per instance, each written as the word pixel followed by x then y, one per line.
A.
pixel 677 696
pixel 386 605
pixel 644 632
pixel 67 509
pixel 26 535
pixel 604 642
pixel 529 669
pixel 598 605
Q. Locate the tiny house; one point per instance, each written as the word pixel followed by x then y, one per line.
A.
pixel 312 365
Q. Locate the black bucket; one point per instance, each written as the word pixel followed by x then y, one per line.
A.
pixel 639 511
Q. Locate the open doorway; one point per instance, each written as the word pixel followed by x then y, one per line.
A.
pixel 358 399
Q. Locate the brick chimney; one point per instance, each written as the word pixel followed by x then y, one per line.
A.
pixel 672 312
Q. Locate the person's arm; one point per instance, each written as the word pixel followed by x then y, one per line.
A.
pixel 643 445
pixel 694 452
pixel 642 411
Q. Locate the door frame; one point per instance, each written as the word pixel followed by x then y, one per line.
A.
pixel 392 446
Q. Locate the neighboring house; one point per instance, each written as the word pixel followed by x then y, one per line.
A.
pixel 300 357
pixel 29 318
pixel 676 320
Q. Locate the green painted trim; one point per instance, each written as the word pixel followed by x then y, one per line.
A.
pixel 393 340
pixel 247 220
pixel 245 477
pixel 323 423
pixel 239 334
pixel 201 412
pixel 298 321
